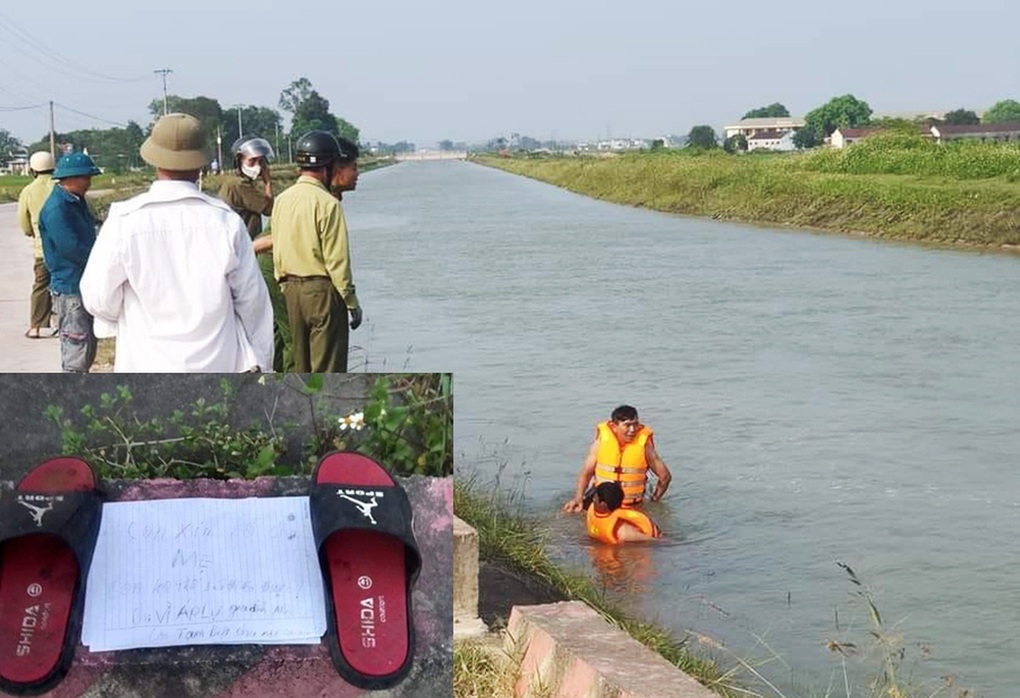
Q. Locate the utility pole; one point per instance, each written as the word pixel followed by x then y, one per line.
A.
pixel 53 134
pixel 164 72
pixel 219 148
pixel 240 130
pixel 278 153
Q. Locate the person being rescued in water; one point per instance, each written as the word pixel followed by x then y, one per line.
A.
pixel 624 452
pixel 608 521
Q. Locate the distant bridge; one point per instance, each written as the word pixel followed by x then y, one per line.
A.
pixel 433 155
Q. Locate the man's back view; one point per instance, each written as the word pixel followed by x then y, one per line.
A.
pixel 173 274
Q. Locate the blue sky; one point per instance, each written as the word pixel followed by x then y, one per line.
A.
pixel 469 70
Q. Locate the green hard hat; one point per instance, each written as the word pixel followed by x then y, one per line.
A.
pixel 75 165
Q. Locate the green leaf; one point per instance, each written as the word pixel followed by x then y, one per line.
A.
pixel 313 384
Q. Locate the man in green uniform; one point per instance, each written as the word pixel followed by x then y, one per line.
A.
pixel 311 253
pixel 249 191
pixel 30 203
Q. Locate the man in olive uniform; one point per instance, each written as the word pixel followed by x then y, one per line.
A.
pixel 30 203
pixel 249 191
pixel 311 253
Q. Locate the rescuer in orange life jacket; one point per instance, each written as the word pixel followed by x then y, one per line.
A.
pixel 609 522
pixel 623 451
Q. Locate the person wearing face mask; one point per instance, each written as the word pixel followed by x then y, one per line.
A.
pixel 311 253
pixel 173 275
pixel 249 191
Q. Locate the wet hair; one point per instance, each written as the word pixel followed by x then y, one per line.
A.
pixel 610 494
pixel 623 413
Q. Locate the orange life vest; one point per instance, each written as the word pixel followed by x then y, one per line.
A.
pixel 605 528
pixel 623 463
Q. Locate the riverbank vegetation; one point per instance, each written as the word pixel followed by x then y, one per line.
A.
pixel 872 658
pixel 897 186
pixel 512 539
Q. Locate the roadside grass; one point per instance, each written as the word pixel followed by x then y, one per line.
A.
pixel 958 194
pixel 481 670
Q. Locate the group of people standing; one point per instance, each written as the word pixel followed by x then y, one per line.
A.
pixel 190 282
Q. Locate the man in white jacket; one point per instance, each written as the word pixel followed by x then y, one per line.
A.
pixel 173 274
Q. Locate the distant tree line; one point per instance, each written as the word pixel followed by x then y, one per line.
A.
pixel 847 111
pixel 116 149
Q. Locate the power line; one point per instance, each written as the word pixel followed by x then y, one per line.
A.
pixel 37 49
pixel 91 116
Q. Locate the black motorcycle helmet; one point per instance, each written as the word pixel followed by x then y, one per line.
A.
pixel 317 149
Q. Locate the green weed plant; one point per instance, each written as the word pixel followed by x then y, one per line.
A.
pixel 407 425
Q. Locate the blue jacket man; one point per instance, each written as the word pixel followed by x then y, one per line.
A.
pixel 68 232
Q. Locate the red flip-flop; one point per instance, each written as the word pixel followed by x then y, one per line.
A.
pixel 362 522
pixel 48 529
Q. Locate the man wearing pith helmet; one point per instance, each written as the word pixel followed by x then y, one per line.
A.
pixel 311 253
pixel 68 234
pixel 173 274
pixel 30 203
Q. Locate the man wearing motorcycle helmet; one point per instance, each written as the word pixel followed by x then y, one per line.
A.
pixel 249 191
pixel 311 253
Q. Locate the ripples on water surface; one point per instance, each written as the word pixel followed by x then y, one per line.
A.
pixel 818 398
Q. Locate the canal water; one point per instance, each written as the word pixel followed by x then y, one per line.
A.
pixel 821 401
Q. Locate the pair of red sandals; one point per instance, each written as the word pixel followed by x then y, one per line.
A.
pixel 361 518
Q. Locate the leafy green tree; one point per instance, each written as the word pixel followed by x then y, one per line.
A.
pixel 702 136
pixel 839 112
pixel 206 109
pixel 256 121
pixel 892 123
pixel 345 129
pixel 446 145
pixel 395 148
pixel 658 144
pixel 735 143
pixel 961 117
pixel 773 110
pixel 313 114
pixel 1006 111
pixel 293 96
pixel 310 111
pixel 113 149
pixel 805 138
pixel 9 144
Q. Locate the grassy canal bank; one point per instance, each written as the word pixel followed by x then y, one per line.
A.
pixel 514 569
pixel 511 546
pixel 894 186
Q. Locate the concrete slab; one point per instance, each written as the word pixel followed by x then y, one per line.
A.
pixel 466 622
pixel 18 353
pixel 568 650
pixel 250 671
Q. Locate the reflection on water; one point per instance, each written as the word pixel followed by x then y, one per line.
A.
pixel 626 567
pixel 817 398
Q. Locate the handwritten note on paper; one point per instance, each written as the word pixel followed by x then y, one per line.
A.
pixel 202 572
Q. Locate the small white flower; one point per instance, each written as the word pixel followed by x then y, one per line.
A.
pixel 355 421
